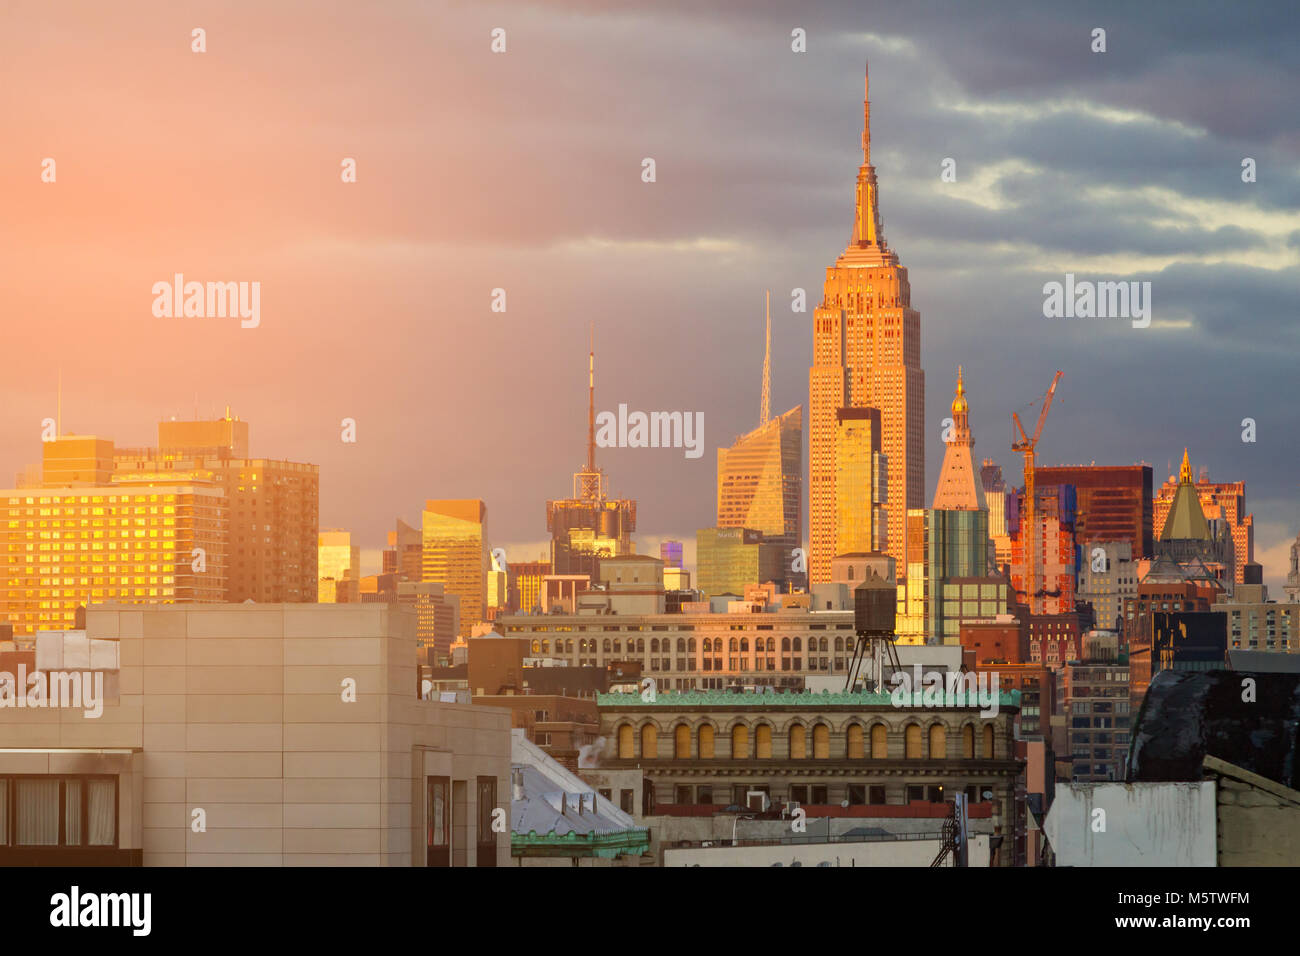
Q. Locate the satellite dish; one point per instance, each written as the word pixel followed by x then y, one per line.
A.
pixel 988 794
pixel 844 803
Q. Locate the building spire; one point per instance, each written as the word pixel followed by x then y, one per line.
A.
pixel 1185 470
pixel 765 411
pixel 866 115
pixel 867 230
pixel 591 398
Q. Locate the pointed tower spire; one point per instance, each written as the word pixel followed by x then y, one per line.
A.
pixel 1185 470
pixel 868 233
pixel 591 398
pixel 765 410
pixel 866 115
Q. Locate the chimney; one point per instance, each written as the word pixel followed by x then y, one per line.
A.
pixel 516 783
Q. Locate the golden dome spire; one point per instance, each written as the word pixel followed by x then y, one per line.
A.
pixel 1185 470
pixel 959 402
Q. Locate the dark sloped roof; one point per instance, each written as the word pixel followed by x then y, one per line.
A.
pixel 1189 714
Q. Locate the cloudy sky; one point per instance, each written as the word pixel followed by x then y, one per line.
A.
pixel 522 171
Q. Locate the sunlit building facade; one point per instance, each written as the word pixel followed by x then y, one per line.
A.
pixel 274 505
pixel 1222 500
pixel 455 554
pixel 338 560
pixel 760 481
pixel 861 475
pixel 866 352
pixel 70 547
pixel 728 560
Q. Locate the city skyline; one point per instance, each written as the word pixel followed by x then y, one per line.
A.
pixel 1053 184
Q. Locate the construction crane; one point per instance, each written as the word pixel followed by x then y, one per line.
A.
pixel 1028 527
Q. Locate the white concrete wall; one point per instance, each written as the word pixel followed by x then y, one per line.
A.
pixel 1142 824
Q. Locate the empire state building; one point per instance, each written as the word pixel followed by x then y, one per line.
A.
pixel 866 353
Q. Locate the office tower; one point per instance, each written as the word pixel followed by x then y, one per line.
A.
pixel 760 483
pixel 670 552
pixel 1190 538
pixel 438 614
pixel 1225 501
pixel 995 496
pixel 1055 552
pixel 338 560
pixel 1096 696
pixel 274 505
pixel 861 524
pixel 866 352
pixel 1113 503
pixel 1108 577
pixel 760 477
pixel 497 590
pixel 947 576
pixel 69 545
pixel 456 554
pixel 958 488
pixel 590 525
pixel 729 559
pixel 404 555
pixel 526 584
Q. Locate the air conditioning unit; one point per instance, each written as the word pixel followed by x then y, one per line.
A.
pixel 756 800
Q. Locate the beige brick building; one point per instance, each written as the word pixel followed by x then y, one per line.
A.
pixel 293 733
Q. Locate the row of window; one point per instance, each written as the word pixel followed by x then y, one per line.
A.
pixel 78 811
pixel 688 645
pixel 858 743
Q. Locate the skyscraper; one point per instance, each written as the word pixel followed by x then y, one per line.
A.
pixel 76 539
pixel 274 505
pixel 455 554
pixel 590 525
pixel 1114 502
pixel 959 489
pixel 866 352
pixel 760 477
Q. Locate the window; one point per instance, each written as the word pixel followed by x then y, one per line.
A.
pixel 763 742
pixel 487 838
pixel 799 793
pixel 49 811
pixel 739 742
pixel 649 742
pixel 876 796
pixel 817 794
pixel 682 746
pixel 857 794
pixel 938 742
pixel 706 742
pixel 853 742
pixel 988 742
pixel 798 742
pixel 912 743
pixel 821 742
pixel 879 742
pixel 625 802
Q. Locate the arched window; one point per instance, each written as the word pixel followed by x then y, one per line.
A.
pixel 763 742
pixel 690 645
pixel 640 645
pixel 853 742
pixel 605 645
pixel 798 742
pixel 546 648
pixel 708 645
pixel 839 643
pixel 798 644
pixel 785 644
pixel 618 646
pixel 654 645
pixel 681 645
pixel 733 645
pixel 912 742
pixel 879 742
pixel 682 742
pixel 744 645
pixel 822 645
pixel 821 742
pixel 649 742
pixel 988 741
pixel 739 742
pixel 968 742
pixel 938 742
pixel 625 742
pixel 706 742
pixel 537 647
pixel 771 645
